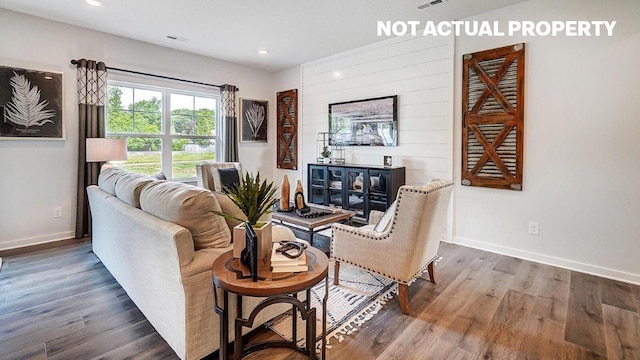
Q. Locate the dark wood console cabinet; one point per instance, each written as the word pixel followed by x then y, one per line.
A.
pixel 359 188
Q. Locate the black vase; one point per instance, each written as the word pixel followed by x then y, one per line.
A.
pixel 249 255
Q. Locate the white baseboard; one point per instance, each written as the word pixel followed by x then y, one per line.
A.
pixel 551 260
pixel 13 244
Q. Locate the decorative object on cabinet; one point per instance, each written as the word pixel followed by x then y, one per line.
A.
pixel 287 130
pixel 358 188
pixel 368 122
pixel 322 143
pixel 31 104
pixel 388 161
pixel 493 118
pixel 326 155
pixel 338 155
pixel 329 151
pixel 254 116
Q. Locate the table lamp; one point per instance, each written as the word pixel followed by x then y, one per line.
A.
pixel 105 150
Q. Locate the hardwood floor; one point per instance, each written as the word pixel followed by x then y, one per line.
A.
pixel 63 304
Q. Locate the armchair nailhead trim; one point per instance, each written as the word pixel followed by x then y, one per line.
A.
pixel 412 279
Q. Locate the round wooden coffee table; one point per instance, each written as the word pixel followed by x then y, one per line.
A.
pixel 231 277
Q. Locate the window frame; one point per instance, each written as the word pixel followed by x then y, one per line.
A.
pixel 165 136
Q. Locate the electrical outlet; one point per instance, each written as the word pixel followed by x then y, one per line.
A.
pixel 57 212
pixel 534 228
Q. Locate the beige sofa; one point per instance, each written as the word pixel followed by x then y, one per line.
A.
pixel 159 239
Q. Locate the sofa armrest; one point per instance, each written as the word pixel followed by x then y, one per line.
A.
pixel 203 260
pixel 346 240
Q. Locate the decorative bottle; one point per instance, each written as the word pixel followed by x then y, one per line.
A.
pixel 284 193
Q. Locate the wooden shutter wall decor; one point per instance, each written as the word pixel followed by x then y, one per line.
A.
pixel 287 133
pixel 493 118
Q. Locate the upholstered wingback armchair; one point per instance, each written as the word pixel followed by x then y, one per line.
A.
pixel 208 176
pixel 405 241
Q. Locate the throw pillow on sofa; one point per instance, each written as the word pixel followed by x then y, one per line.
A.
pixel 210 171
pixel 229 179
pixel 190 207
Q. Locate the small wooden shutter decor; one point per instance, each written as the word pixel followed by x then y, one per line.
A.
pixel 493 118
pixel 287 136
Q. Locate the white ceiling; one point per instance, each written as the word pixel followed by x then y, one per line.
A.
pixel 293 31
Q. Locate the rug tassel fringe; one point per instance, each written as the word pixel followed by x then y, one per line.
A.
pixel 350 325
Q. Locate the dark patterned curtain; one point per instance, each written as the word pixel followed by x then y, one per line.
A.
pixel 230 122
pixel 92 92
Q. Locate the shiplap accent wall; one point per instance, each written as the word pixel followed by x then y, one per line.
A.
pixel 419 71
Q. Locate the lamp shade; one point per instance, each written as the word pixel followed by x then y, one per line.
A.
pixel 99 149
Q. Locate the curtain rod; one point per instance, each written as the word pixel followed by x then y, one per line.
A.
pixel 75 62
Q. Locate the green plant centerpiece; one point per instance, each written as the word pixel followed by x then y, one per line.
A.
pixel 325 152
pixel 254 198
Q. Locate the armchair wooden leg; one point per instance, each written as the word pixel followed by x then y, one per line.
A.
pixel 336 273
pixel 432 272
pixel 403 298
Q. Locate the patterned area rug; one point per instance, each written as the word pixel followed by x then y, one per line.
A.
pixel 356 300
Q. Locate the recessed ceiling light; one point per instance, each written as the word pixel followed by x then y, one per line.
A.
pixel 94 2
pixel 263 52
pixel 430 3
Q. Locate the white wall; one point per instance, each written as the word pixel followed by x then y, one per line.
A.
pixel 35 176
pixel 419 71
pixel 582 140
pixel 284 80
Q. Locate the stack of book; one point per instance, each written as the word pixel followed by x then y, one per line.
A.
pixel 281 263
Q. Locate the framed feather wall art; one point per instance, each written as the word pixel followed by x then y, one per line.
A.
pixel 254 118
pixel 30 104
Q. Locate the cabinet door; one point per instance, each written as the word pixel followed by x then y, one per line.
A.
pixel 317 192
pixel 378 180
pixel 335 181
pixel 317 196
pixel 357 188
pixel 378 189
pixel 317 176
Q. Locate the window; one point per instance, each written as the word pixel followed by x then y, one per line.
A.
pixel 166 130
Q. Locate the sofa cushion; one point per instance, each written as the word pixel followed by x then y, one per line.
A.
pixel 108 178
pixel 129 186
pixel 229 207
pixel 190 207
